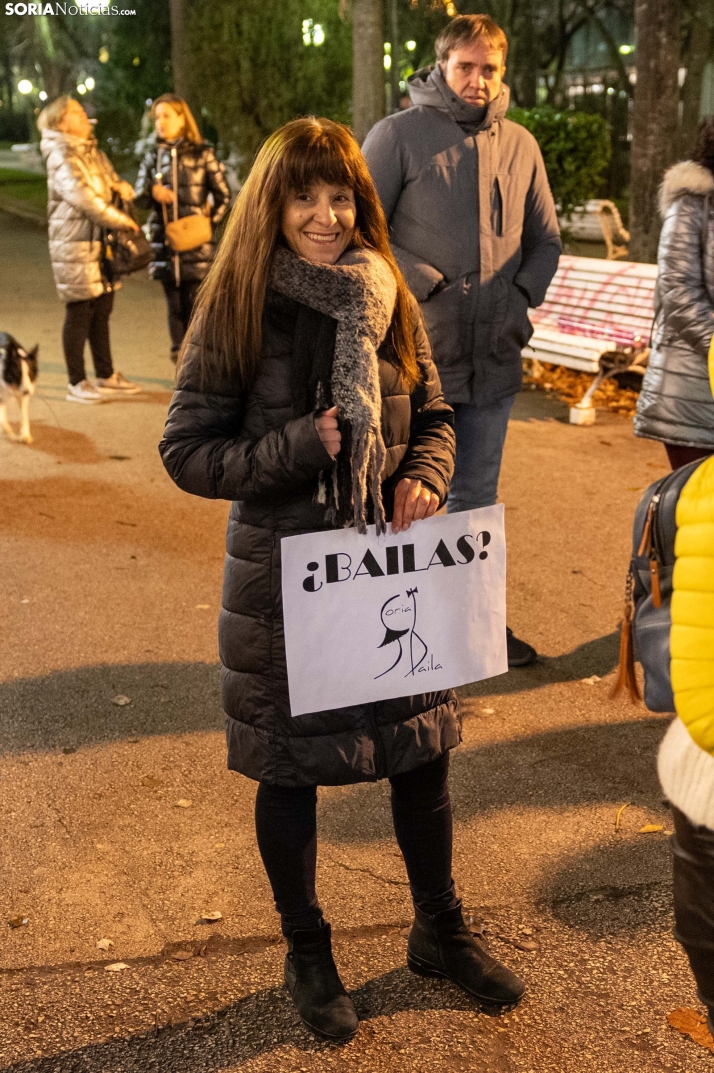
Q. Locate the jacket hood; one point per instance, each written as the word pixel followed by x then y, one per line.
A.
pixel 684 178
pixel 57 139
pixel 427 87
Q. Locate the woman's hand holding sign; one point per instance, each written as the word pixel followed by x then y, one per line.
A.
pixel 328 431
pixel 412 501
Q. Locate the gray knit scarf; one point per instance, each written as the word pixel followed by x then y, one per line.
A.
pixel 359 292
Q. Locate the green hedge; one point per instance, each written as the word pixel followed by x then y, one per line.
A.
pixel 576 149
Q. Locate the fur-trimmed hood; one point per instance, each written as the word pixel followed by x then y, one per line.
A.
pixel 686 177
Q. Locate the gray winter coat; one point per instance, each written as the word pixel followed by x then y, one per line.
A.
pixel 79 194
pixel 675 403
pixel 471 220
pixel 262 451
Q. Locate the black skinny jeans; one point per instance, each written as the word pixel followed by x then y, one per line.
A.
pixel 286 826
pixel 693 865
pixel 84 320
pixel 179 302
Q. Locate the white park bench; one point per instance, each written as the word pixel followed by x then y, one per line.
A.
pixel 596 318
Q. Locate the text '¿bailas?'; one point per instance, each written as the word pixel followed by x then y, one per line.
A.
pixel 339 566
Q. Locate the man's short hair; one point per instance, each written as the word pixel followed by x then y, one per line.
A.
pixel 52 114
pixel 464 29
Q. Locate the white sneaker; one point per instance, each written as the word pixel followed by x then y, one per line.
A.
pixel 117 385
pixel 83 392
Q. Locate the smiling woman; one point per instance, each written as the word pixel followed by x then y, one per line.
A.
pixel 307 395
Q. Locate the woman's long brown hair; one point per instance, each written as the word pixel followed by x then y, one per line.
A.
pixel 230 303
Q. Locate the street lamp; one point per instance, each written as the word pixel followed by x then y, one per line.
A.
pixel 24 86
pixel 81 89
pixel 42 95
pixel 90 83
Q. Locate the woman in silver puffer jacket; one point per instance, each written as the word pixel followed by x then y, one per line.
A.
pixel 80 185
pixel 676 404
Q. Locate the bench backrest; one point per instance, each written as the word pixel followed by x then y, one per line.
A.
pixel 608 300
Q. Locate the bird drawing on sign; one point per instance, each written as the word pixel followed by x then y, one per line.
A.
pixel 399 620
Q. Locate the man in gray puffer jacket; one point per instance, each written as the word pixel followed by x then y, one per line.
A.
pixel 81 183
pixel 474 230
pixel 675 404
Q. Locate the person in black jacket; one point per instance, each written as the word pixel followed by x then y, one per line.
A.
pixel 272 363
pixel 182 175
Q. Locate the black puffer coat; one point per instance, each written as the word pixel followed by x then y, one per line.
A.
pixel 675 404
pixel 200 173
pixel 259 451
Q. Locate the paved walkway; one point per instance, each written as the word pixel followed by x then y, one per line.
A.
pixel 112 582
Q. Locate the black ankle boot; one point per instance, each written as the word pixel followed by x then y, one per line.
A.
pixel 442 945
pixel 315 987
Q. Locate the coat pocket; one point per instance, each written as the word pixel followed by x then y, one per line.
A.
pixel 511 326
pixel 446 317
pixel 497 224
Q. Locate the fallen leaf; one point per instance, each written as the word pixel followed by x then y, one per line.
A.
pixel 210 917
pixel 133 741
pixel 693 1024
pixel 651 828
pixel 68 749
pixel 116 966
pixel 100 845
pixel 104 944
pixel 184 803
pixel 202 607
pixel 619 815
pixel 487 711
pixel 18 922
pixel 591 680
pixel 121 701
pixel 182 955
pixel 219 845
pixel 150 782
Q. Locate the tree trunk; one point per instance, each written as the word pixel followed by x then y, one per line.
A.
pixel 525 57
pixel 695 61
pixel 368 96
pixel 655 118
pixel 178 47
pixel 395 55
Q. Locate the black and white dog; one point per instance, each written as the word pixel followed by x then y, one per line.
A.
pixel 18 373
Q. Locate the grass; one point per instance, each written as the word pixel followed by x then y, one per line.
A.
pixel 24 186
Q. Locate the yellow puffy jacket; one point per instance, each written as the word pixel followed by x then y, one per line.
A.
pixel 692 636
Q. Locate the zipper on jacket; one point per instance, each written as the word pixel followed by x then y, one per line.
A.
pixel 648 547
pixel 380 767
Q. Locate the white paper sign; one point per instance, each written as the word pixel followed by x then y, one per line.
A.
pixel 368 618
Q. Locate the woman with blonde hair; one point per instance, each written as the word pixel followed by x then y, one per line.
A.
pixel 81 184
pixel 307 395
pixel 180 177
